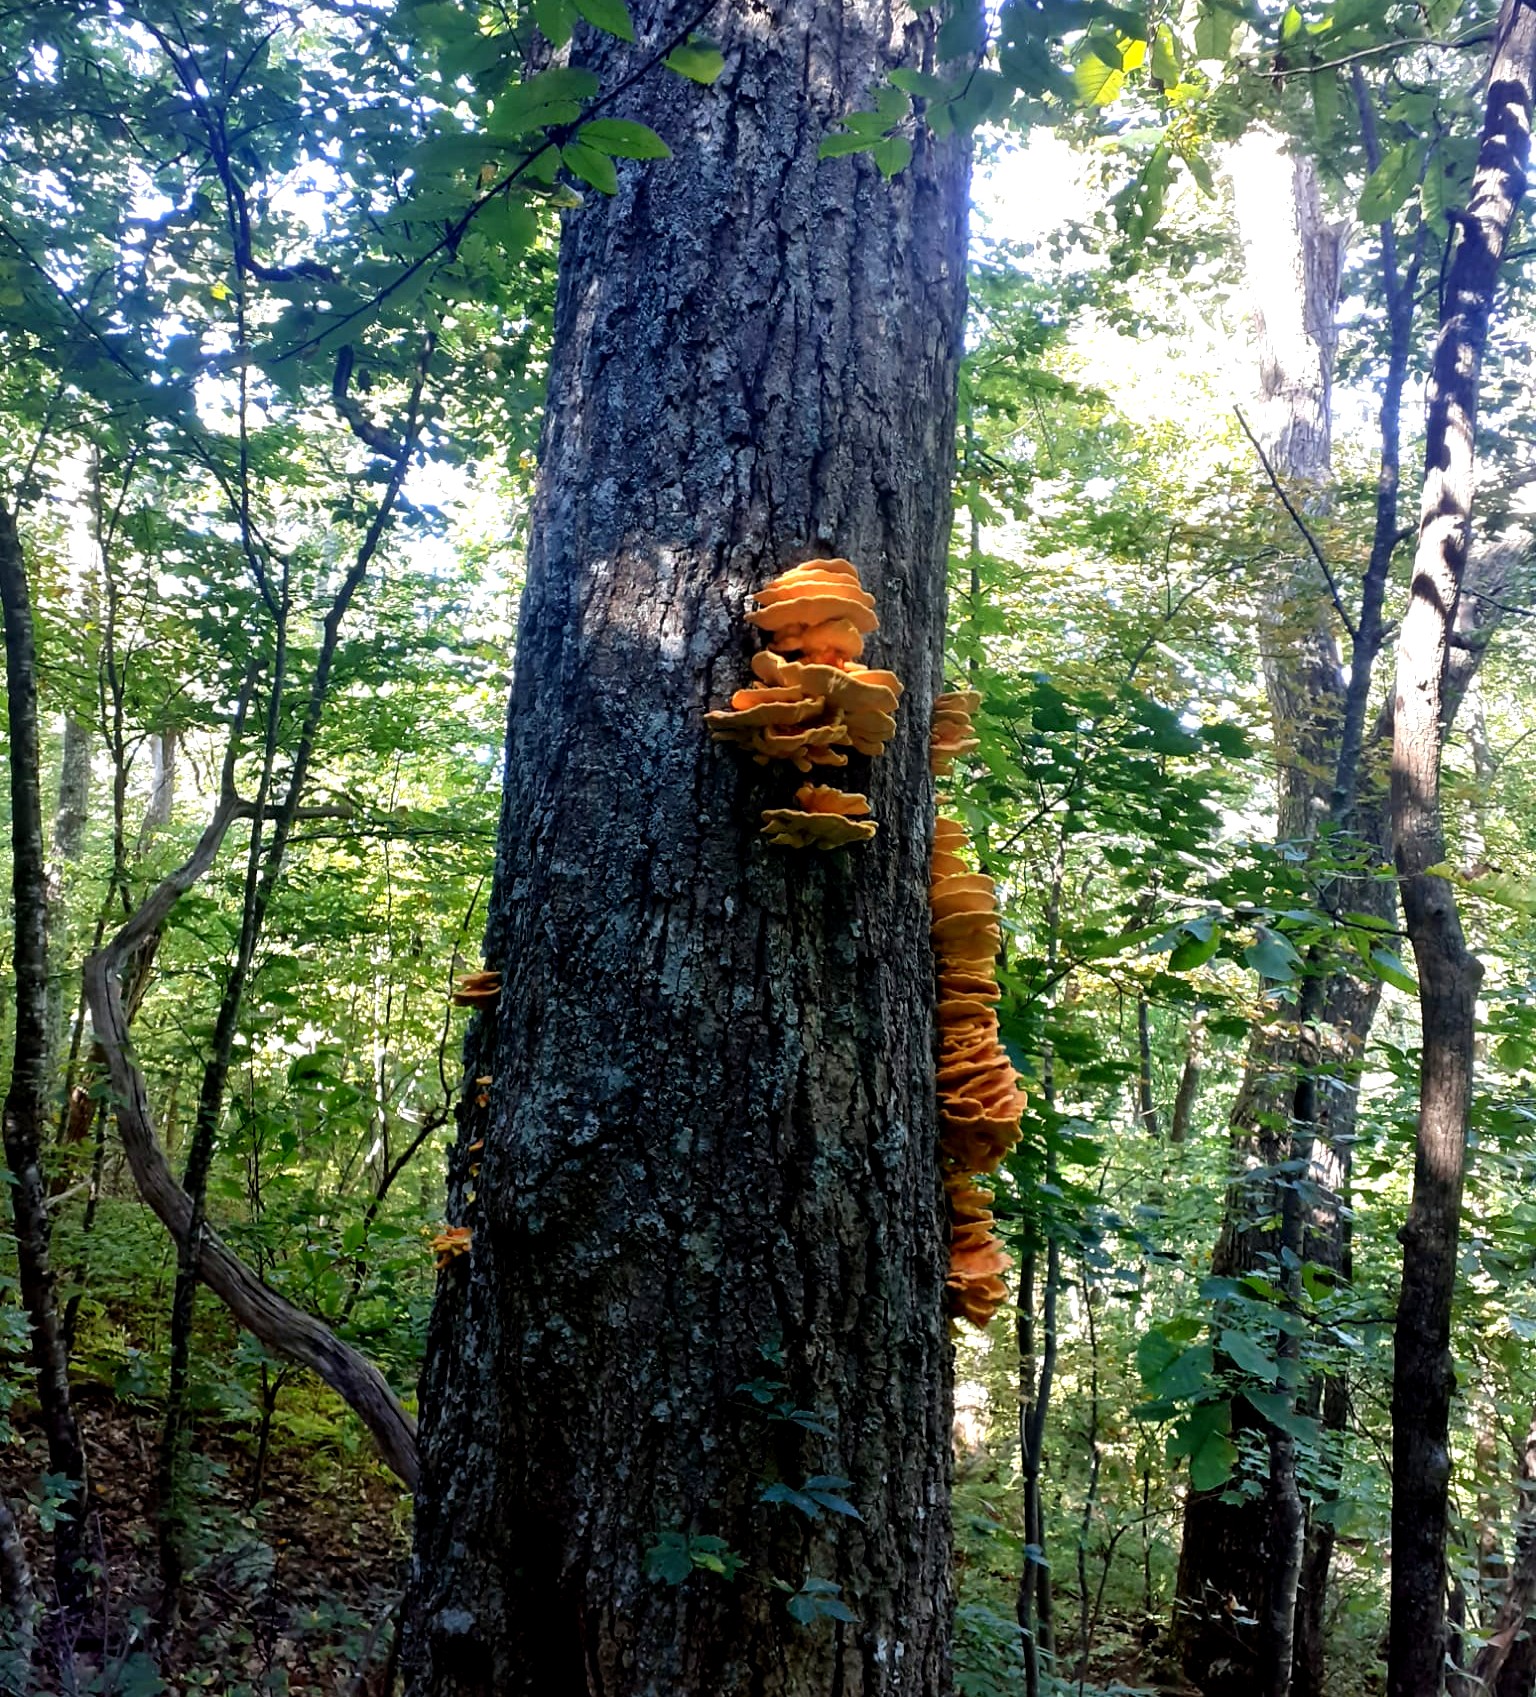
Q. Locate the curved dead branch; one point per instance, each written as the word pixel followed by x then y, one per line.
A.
pixel 282 1328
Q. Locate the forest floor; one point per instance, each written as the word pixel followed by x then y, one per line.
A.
pixel 289 1595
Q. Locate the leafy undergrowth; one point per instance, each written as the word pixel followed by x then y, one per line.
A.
pixel 292 1594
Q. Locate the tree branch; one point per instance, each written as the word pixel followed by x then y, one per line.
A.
pixel 1302 525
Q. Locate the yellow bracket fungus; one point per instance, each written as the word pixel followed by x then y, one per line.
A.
pixel 981 1100
pixel 450 1242
pixel 824 818
pixel 812 710
pixel 476 989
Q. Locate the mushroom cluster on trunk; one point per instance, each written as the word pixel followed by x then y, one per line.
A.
pixel 981 1099
pixel 811 711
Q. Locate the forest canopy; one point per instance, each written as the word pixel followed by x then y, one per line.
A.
pixel 1050 1213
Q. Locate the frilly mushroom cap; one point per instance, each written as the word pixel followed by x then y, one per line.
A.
pixel 788 827
pixel 830 642
pixel 969 1204
pixel 955 981
pixel 854 690
pixel 476 989
pixel 968 936
pixel 945 865
pixel 821 798
pixel 814 608
pixel 830 584
pixel 962 892
pixel 451 1241
pixel 820 568
pixel 964 1011
pixel 875 679
pixel 949 835
pixel 976 1299
pixel 752 708
pixel 964 701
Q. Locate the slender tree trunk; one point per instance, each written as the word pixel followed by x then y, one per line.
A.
pixel 18 1605
pixel 1248 1552
pixel 1034 1606
pixel 1449 975
pixel 1146 1102
pixel 709 1152
pixel 1188 1092
pixel 71 814
pixel 1504 1636
pixel 26 1102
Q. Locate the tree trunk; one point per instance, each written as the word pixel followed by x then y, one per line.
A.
pixel 26 1101
pixel 18 1606
pixel 1449 975
pixel 709 1154
pixel 1240 1561
pixel 71 814
pixel 1189 1079
pixel 1510 1631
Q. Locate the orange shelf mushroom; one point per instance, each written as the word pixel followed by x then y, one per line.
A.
pixel 476 989
pixel 811 711
pixel 981 1100
pixel 450 1242
pixel 952 733
pixel 824 818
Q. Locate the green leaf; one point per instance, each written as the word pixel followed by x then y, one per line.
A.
pixel 963 31
pixel 1188 1375
pixel 837 147
pixel 1097 83
pixel 1165 56
pixel 698 59
pixel 1290 24
pixel 892 155
pixel 1394 972
pixel 781 1493
pixel 1195 950
pixel 553 97
pixel 1272 957
pixel 609 15
pixel 1199 1425
pixel 590 166
pixel 556 19
pixel 1327 101
pixel 1248 1355
pixel 1214 30
pixel 509 221
pixel 921 84
pixel 668 1560
pixel 1210 1467
pixel 1279 1409
pixel 1155 1354
pixel 624 139
pixel 1390 184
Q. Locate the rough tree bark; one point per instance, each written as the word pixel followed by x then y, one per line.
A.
pixel 1449 975
pixel 708 1153
pixel 25 1111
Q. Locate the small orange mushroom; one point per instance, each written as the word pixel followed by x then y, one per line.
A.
pixel 476 989
pixel 450 1242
